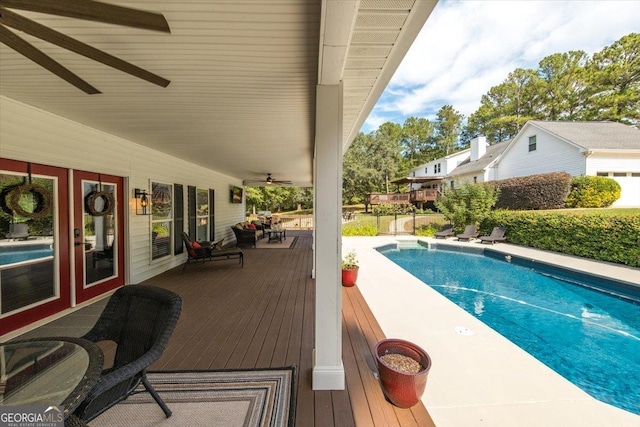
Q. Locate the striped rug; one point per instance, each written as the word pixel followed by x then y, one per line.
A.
pixel 247 398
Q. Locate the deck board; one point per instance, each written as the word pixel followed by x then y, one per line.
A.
pixel 262 315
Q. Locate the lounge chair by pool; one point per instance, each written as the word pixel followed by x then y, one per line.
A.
pixel 447 230
pixel 470 232
pixel 497 235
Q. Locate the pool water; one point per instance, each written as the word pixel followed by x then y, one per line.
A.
pixel 589 337
pixel 23 255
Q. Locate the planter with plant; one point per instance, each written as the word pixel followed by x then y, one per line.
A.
pixel 349 269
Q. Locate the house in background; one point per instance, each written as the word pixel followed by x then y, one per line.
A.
pixel 579 148
pixel 480 165
pixel 608 149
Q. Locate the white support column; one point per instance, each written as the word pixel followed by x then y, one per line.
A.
pixel 328 371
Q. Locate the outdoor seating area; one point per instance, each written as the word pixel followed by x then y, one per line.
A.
pixel 267 323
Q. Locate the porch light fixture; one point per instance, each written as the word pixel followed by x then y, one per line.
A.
pixel 142 201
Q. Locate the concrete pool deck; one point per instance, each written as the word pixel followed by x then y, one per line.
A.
pixel 478 377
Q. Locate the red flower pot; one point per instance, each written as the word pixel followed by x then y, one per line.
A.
pixel 402 389
pixel 349 277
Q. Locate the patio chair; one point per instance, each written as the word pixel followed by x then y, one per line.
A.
pixel 470 232
pixel 206 252
pixel 18 231
pixel 497 235
pixel 446 231
pixel 140 320
pixel 245 236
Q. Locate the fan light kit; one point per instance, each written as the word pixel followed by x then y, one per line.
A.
pixel 269 180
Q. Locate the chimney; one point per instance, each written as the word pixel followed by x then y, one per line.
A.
pixel 478 147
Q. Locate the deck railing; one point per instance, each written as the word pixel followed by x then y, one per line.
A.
pixel 291 222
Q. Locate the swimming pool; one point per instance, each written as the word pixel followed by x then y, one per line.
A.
pixel 590 337
pixel 14 254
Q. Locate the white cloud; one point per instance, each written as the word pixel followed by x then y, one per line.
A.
pixel 466 47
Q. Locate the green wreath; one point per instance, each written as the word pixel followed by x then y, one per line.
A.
pixel 90 203
pixel 41 195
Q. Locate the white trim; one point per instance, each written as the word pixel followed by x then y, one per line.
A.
pixel 328 377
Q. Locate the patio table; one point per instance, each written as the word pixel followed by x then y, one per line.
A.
pixel 56 371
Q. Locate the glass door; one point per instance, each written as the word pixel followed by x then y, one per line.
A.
pixel 35 279
pixel 98 233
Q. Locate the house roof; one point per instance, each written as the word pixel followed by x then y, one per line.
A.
pixel 594 135
pixel 492 154
pixel 242 97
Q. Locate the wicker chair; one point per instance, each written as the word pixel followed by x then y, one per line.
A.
pixel 245 236
pixel 139 319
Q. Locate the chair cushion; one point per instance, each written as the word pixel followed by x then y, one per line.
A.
pixel 251 226
pixel 195 244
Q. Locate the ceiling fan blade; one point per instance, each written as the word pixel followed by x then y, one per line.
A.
pixel 28 26
pixel 94 11
pixel 25 48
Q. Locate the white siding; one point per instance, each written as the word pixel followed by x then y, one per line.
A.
pixel 551 155
pixel 613 162
pixel 447 164
pixel 628 163
pixel 33 135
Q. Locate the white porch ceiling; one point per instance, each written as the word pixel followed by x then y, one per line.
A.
pixel 243 76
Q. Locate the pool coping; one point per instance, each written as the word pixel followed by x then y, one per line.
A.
pixel 479 378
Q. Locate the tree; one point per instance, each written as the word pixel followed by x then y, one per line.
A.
pixel 358 175
pixel 448 126
pixel 615 82
pixel 506 107
pixel 467 204
pixel 417 142
pixel 385 157
pixel 564 87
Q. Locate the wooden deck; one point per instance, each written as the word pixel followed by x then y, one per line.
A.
pixel 262 315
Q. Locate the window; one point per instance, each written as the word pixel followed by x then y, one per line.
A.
pixel 161 220
pixel 202 214
pixel 635 174
pixel 475 179
pixel 451 183
pixel 532 143
pixel 426 170
pixel 603 174
pixel 619 174
pixel 435 168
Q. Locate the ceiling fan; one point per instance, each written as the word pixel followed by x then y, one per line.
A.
pixel 268 181
pixel 80 9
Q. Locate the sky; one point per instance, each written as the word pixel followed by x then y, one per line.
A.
pixel 468 46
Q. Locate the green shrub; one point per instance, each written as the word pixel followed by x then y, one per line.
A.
pixel 351 229
pixel 593 192
pixel 544 191
pixel 467 204
pixel 603 237
pixel 428 230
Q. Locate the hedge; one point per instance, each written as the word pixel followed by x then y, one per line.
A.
pixel 612 238
pixel 544 191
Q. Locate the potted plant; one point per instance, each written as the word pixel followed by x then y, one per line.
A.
pixel 403 368
pixel 349 269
